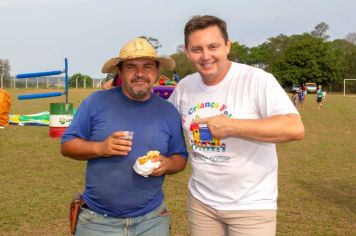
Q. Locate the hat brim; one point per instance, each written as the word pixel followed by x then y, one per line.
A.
pixel 165 62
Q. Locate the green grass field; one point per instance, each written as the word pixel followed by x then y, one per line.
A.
pixel 317 177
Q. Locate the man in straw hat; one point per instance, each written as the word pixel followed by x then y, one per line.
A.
pixel 117 199
pixel 242 111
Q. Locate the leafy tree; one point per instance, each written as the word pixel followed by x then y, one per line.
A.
pixel 320 31
pixel 183 66
pixel 239 53
pixel 351 69
pixel 270 51
pixel 346 52
pixel 81 78
pixel 307 59
pixel 259 56
pixel 294 59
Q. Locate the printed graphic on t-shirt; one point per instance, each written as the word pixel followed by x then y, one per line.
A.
pixel 210 105
pixel 203 139
pixel 204 145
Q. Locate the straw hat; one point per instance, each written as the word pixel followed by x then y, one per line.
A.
pixel 137 48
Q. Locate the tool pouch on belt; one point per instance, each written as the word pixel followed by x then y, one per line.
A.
pixel 74 210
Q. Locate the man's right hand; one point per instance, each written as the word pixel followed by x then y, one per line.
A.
pixel 116 145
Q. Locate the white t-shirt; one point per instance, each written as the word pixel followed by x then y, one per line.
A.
pixel 232 173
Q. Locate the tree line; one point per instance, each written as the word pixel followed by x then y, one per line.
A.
pixel 294 59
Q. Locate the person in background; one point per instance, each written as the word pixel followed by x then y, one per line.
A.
pixel 232 115
pixel 117 199
pixel 175 77
pixel 319 97
pixel 301 96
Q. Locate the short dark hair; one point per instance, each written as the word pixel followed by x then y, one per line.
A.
pixel 202 22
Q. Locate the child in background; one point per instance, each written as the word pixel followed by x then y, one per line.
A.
pixel 319 97
pixel 301 96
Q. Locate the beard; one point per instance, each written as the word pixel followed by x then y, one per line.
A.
pixel 138 93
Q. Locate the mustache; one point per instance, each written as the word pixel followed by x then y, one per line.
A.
pixel 140 79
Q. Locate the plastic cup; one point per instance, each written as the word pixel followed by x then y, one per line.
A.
pixel 129 135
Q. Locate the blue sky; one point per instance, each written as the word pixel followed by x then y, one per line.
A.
pixel 36 35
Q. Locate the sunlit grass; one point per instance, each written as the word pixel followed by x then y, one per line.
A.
pixel 316 176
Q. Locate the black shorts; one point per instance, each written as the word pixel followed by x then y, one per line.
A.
pixel 318 99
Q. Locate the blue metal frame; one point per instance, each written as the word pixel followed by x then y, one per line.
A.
pixel 46 73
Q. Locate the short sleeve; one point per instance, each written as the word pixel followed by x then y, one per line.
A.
pixel 272 99
pixel 80 125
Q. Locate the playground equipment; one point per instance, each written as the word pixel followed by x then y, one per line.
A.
pixel 164 87
pixel 163 91
pixel 46 73
pixel 38 119
pixel 61 114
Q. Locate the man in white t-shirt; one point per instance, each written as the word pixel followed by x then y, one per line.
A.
pixel 232 115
